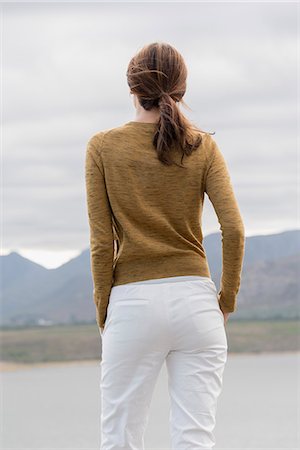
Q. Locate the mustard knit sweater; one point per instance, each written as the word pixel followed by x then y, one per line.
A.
pixel 145 217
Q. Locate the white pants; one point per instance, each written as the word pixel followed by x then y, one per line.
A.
pixel 177 320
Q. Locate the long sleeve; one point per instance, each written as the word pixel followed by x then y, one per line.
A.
pixel 219 189
pixel 101 230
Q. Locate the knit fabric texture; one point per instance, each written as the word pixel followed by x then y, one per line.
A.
pixel 145 218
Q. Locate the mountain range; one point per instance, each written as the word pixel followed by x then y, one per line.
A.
pixel 270 286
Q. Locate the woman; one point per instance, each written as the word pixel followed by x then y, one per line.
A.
pixel 154 296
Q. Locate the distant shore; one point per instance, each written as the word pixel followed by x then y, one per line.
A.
pixel 9 366
pixel 27 348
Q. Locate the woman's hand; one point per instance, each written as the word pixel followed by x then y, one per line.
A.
pixel 226 315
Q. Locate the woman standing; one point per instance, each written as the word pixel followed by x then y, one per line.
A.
pixel 154 296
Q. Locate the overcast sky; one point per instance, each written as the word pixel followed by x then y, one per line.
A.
pixel 63 68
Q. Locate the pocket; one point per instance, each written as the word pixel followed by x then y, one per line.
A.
pixel 131 318
pixel 107 320
pixel 203 305
pixel 136 301
pixel 203 285
pixel 222 315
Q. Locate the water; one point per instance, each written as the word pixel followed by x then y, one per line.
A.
pixel 58 407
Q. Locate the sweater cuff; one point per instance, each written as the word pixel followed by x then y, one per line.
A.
pixel 227 302
pixel 101 301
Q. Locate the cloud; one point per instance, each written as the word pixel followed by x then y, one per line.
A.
pixel 64 69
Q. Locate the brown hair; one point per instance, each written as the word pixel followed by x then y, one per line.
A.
pixel 157 75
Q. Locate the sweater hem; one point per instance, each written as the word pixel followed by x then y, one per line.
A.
pixel 161 267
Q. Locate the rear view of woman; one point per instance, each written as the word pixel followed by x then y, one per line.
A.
pixel 155 300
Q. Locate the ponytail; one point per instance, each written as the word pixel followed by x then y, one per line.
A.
pixel 157 75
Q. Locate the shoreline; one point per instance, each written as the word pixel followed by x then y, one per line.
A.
pixel 10 366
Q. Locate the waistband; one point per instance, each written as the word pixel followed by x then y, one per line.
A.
pixel 169 280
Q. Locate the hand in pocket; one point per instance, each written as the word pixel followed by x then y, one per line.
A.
pixel 225 314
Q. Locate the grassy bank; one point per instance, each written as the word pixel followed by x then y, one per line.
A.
pixel 83 342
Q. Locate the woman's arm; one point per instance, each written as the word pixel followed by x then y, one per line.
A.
pixel 219 189
pixel 101 231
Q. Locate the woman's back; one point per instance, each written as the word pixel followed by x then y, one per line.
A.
pixel 145 216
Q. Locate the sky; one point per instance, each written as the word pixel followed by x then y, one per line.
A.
pixel 63 72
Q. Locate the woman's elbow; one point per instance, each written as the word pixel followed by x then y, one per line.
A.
pixel 234 230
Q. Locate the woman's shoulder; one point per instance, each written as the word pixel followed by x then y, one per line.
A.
pixel 206 137
pixel 209 145
pixel 99 138
pixel 96 139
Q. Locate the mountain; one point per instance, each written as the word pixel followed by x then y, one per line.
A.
pixel 270 287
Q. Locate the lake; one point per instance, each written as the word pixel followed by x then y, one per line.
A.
pixel 57 406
